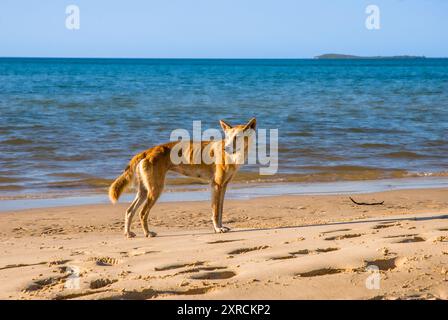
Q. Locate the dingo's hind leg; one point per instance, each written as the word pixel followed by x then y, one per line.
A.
pixel 153 178
pixel 144 213
pixel 138 201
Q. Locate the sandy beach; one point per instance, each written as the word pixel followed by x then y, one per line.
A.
pixel 283 247
pixel 292 150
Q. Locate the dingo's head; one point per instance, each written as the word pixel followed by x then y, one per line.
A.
pixel 237 138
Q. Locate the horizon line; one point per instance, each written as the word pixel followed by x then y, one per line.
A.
pixel 217 58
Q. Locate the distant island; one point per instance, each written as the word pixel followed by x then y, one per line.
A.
pixel 348 56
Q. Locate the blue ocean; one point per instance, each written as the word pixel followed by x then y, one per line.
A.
pixel 71 125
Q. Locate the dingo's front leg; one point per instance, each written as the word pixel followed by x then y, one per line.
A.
pixel 218 193
pixel 221 208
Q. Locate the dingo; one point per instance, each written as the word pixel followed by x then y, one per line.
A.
pixel 150 167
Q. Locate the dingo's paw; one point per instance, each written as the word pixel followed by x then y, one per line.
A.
pixel 150 234
pixel 222 229
pixel 129 234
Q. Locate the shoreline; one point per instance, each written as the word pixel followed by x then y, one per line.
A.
pixel 296 246
pixel 237 191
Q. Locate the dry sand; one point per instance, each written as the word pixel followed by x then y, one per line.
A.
pixel 288 247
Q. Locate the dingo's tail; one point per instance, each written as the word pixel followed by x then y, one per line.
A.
pixel 118 186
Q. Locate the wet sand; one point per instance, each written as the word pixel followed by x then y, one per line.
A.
pixel 283 247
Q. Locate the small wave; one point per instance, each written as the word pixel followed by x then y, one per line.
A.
pixel 308 152
pixel 325 174
pixel 437 143
pixel 17 142
pixel 73 105
pixel 293 119
pixel 78 157
pixel 371 130
pixel 87 183
pixel 299 134
pixel 11 187
pixel 376 146
pixel 428 174
pixel 342 168
pixel 8 179
pixel 75 175
pixel 39 102
pixel 42 148
pixel 405 155
pixel 123 101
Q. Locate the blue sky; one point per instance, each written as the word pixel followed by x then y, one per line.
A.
pixel 222 28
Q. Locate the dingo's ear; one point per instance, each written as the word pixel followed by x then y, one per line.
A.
pixel 224 125
pixel 251 124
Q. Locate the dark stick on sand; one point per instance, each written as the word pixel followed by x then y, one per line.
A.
pixel 366 203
